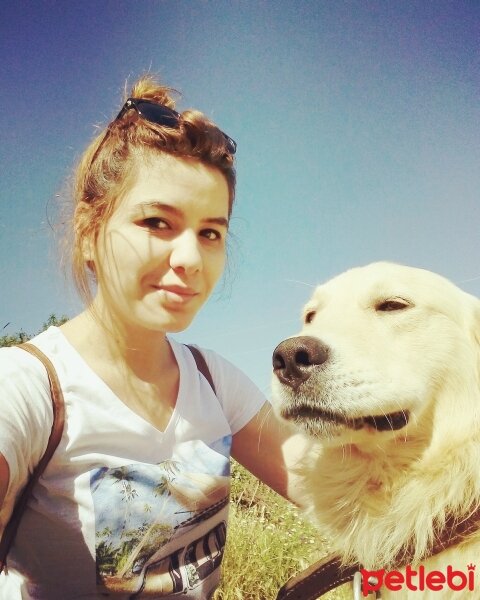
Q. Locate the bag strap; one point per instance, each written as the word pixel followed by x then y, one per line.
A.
pixel 53 441
pixel 202 365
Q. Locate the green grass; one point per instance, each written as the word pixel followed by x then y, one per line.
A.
pixel 268 542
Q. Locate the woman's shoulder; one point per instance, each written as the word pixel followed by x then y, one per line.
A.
pixel 26 409
pixel 20 369
pixel 218 365
pixel 240 398
pixel 15 362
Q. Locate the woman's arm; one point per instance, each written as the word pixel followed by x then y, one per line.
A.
pixel 4 478
pixel 26 417
pixel 269 450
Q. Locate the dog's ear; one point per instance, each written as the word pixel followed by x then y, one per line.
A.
pixel 476 320
pixel 476 332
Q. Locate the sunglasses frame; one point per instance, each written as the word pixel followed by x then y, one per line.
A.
pixel 163 115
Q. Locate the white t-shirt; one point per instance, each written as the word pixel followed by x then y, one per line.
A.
pixel 122 510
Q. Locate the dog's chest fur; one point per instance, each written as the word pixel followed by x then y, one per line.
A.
pixel 372 506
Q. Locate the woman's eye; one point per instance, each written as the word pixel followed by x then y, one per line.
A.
pixel 155 223
pixel 211 235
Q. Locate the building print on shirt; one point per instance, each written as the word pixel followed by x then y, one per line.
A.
pixel 160 529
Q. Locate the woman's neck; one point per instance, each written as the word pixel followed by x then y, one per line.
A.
pixel 139 367
pixel 101 340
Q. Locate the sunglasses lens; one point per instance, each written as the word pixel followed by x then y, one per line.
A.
pixel 156 113
pixel 231 144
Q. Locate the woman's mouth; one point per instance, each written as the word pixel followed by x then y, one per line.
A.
pixel 176 294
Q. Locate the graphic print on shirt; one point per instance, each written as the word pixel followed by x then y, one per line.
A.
pixel 160 529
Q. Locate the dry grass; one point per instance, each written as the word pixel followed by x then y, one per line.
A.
pixel 268 542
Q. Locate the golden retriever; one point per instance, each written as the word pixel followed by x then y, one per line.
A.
pixel 384 378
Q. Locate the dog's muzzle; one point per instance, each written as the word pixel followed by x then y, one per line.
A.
pixel 295 358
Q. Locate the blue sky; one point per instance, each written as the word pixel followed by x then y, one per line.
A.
pixel 358 130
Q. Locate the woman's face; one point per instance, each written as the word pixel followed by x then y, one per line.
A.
pixel 162 251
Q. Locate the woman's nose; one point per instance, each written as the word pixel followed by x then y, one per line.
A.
pixel 186 255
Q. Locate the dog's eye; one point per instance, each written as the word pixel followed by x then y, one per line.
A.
pixel 389 305
pixel 310 316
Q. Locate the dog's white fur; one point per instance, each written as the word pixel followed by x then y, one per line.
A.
pixel 373 492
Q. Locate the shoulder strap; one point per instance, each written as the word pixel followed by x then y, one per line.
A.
pixel 53 441
pixel 202 365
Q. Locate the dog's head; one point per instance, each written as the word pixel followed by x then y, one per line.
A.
pixel 381 348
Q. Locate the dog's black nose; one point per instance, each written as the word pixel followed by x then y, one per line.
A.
pixel 294 358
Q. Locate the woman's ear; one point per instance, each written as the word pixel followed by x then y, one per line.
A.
pixel 84 233
pixel 88 249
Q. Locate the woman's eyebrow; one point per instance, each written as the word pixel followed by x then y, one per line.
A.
pixel 142 206
pixel 222 221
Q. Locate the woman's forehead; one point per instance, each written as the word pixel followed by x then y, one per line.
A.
pixel 183 184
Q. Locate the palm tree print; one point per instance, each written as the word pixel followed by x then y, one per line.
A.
pixel 124 477
pixel 171 469
pixel 143 511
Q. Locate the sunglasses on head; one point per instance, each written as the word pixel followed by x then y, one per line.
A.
pixel 162 115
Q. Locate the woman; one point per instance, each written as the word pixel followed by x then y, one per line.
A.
pixel 134 502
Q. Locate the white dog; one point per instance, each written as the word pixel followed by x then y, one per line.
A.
pixel 385 378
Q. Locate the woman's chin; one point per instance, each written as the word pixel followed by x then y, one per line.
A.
pixel 172 323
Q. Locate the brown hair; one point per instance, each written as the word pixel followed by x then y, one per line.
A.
pixel 108 164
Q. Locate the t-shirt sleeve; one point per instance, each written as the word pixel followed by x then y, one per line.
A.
pixel 26 413
pixel 239 396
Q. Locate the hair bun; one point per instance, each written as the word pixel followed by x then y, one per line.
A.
pixel 150 88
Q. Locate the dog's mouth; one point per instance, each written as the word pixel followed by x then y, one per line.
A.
pixel 387 422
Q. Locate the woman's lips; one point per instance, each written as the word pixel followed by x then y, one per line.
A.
pixel 176 294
